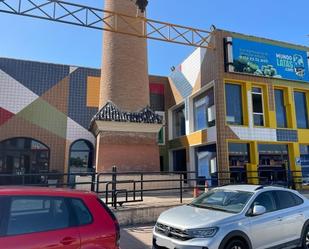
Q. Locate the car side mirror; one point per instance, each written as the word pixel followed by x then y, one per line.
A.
pixel 258 210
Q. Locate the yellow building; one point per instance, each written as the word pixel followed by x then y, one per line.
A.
pixel 240 111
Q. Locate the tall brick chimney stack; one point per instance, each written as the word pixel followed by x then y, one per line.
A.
pixel 124 79
pixel 125 127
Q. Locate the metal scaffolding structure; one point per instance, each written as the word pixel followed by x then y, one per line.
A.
pixel 85 16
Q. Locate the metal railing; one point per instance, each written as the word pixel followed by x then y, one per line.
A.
pixel 118 188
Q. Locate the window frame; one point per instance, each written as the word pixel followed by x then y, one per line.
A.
pixel 306 107
pixel 285 106
pixel 261 94
pixel 177 108
pixel 198 97
pixel 243 98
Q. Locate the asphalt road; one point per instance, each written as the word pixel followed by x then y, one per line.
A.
pixel 137 237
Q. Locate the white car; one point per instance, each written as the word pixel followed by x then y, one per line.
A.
pixel 236 217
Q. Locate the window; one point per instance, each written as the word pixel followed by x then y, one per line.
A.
pixel 286 199
pixel 204 110
pixel 304 161
pixel 239 154
pixel 23 156
pixel 234 111
pixel 301 110
pixel 257 106
pixel 161 134
pixel 81 154
pixel 179 122
pixel 280 109
pixel 37 214
pixel 223 199
pixel 266 200
pixel 82 212
pixel 156 96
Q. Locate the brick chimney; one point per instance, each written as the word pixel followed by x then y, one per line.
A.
pixel 125 128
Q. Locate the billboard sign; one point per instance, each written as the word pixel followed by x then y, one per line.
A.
pixel 267 60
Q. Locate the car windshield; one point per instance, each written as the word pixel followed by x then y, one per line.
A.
pixel 224 200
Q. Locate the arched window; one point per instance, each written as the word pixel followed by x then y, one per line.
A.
pixel 23 156
pixel 81 157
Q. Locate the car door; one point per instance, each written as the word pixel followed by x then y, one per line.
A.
pixel 38 222
pixel 96 228
pixel 291 214
pixel 265 229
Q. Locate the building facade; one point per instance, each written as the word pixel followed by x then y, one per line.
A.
pixel 45 114
pixel 241 108
pixel 239 111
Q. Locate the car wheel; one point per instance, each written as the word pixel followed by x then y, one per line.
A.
pixel 305 239
pixel 236 244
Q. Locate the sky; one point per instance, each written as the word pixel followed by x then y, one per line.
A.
pixel 40 40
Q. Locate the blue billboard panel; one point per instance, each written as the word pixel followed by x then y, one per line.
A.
pixel 262 59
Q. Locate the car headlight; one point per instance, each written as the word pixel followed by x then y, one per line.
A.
pixel 203 232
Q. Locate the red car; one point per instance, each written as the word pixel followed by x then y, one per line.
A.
pixel 44 218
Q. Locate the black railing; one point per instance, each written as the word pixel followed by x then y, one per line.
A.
pixel 118 188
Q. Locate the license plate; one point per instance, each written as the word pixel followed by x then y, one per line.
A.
pixel 164 243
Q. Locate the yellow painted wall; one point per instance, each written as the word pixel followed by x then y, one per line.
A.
pixel 93 91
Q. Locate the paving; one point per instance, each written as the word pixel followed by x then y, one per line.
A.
pixel 136 237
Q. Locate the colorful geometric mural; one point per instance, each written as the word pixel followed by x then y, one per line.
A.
pixel 47 102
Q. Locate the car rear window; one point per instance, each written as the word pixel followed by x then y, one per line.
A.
pixel 81 211
pixel 287 199
pixel 37 214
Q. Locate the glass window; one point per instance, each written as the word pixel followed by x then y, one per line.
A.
pixel 234 112
pixel 37 214
pixel 225 200
pixel 304 161
pixel 179 122
pixel 301 110
pixel 23 156
pixel 239 154
pixel 161 133
pixel 257 106
pixel 285 199
pixel 280 109
pixel 273 154
pixel 81 157
pixel 204 114
pixel 266 200
pixel 83 215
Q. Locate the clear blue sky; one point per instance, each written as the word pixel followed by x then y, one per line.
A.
pixel 35 39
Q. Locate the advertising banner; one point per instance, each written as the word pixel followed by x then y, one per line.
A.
pixel 267 60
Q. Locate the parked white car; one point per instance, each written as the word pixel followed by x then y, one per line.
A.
pixel 236 217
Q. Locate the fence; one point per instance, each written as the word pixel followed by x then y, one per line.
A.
pixel 118 188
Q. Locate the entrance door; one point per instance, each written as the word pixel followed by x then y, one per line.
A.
pixel 81 159
pixel 206 164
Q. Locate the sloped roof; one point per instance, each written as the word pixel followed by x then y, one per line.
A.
pixel 110 112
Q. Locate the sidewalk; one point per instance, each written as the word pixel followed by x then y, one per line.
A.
pixel 136 237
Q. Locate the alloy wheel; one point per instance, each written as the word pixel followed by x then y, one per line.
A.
pixel 239 247
pixel 307 239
